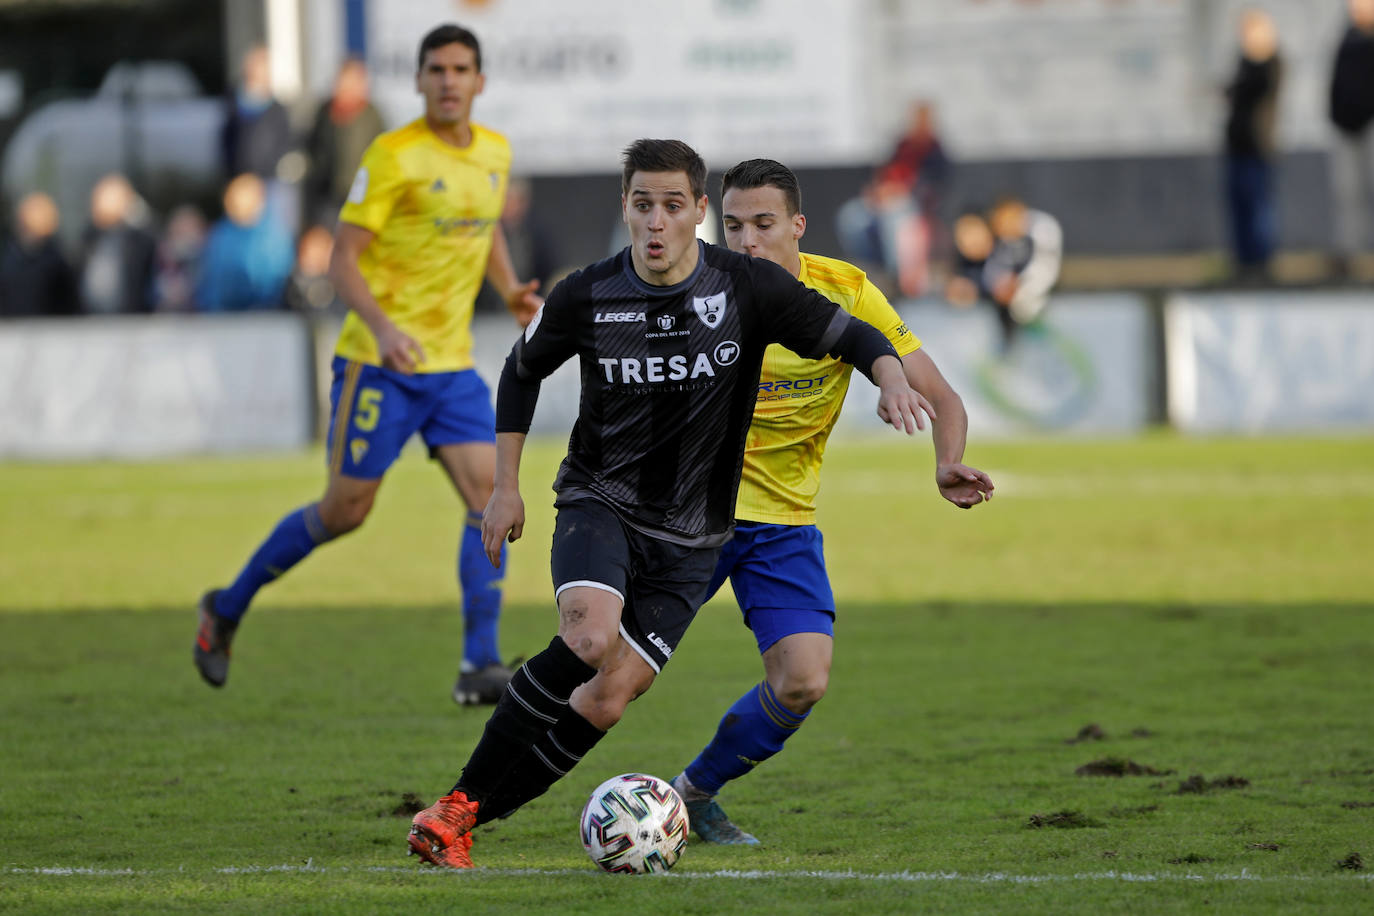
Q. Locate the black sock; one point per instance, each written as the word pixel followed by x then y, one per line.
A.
pixel 549 760
pixel 534 700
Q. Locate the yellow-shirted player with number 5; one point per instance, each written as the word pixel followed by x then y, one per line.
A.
pixel 417 234
pixel 774 562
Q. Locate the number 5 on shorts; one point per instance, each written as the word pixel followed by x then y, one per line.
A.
pixel 369 409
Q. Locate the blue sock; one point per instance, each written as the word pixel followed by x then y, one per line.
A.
pixel 289 543
pixel 481 584
pixel 750 732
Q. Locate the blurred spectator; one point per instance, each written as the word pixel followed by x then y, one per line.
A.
pixel 920 163
pixel 257 139
pixel 1011 261
pixel 1250 126
pixel 117 251
pixel 533 250
pixel 344 125
pixel 309 289
pixel 35 278
pixel 257 131
pixel 529 239
pixel 248 254
pixel 881 230
pixel 895 223
pixel 1352 153
pixel 972 243
pixel 178 260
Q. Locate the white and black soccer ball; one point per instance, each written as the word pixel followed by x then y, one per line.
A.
pixel 634 824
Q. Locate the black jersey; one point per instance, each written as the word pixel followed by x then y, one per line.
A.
pixel 669 378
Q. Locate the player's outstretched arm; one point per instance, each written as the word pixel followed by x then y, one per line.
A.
pixel 521 298
pixel 962 485
pixel 504 517
pixel 398 350
pixel 898 404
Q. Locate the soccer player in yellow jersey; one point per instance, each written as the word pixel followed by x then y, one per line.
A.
pixel 418 232
pixel 774 562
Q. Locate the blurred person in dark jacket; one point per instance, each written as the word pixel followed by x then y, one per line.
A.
pixel 1252 110
pixel 1352 152
pixel 531 243
pixel 344 125
pixel 118 251
pixel 257 130
pixel 179 252
pixel 35 278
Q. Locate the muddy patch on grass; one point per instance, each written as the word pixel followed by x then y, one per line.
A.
pixel 1191 858
pixel 1118 766
pixel 1064 820
pixel 1197 784
pixel 411 805
pixel 1352 862
pixel 1089 732
pixel 1271 847
pixel 1356 804
pixel 1140 811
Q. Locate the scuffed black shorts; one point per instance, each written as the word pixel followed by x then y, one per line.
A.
pixel 661 584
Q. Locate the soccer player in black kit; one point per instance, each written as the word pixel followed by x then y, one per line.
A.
pixel 670 335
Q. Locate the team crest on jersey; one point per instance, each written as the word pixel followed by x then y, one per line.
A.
pixel 710 309
pixel 358 448
pixel 495 179
pixel 666 322
pixel 438 186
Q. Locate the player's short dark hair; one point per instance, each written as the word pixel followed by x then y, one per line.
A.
pixel 448 34
pixel 664 156
pixel 764 173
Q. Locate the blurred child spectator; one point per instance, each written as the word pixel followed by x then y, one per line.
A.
pixel 248 254
pixel 1011 261
pixel 117 251
pixel 1252 98
pixel 344 125
pixel 178 260
pixel 309 288
pixel 972 244
pixel 35 278
pixel 1352 153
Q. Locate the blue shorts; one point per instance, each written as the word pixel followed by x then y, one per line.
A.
pixel 778 574
pixel 373 411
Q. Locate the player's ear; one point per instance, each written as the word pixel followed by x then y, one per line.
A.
pixel 798 226
pixel 701 209
pixel 481 83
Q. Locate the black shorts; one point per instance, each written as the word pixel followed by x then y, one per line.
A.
pixel 661 584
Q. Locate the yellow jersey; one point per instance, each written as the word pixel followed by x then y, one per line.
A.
pixel 433 208
pixel 799 401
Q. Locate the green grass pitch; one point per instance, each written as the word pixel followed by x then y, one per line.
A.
pixel 1207 606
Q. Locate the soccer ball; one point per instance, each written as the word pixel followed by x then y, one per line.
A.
pixel 634 824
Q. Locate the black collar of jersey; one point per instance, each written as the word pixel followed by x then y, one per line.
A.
pixel 648 289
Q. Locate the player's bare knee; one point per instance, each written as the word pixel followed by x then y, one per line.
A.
pixel 342 516
pixel 588 645
pixel 799 694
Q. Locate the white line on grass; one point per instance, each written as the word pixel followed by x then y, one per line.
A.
pixel 904 877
